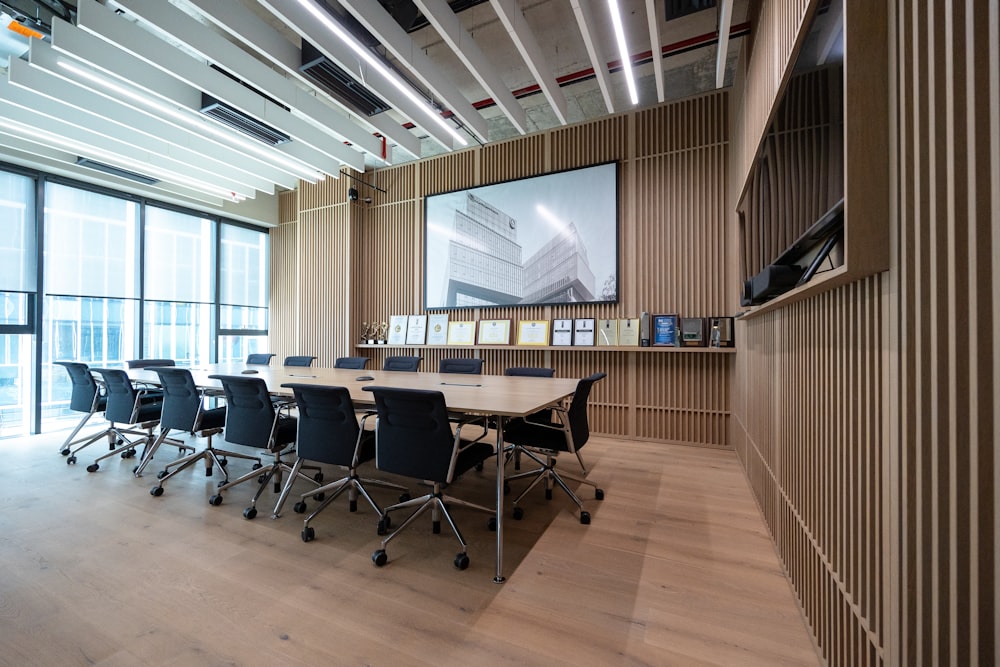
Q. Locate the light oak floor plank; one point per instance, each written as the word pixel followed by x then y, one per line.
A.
pixel 675 569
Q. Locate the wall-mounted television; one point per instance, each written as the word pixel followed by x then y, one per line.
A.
pixel 543 240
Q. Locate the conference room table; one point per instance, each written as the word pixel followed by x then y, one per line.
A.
pixel 499 396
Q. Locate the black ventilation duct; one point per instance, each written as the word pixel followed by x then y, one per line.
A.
pixel 339 83
pixel 238 120
pixel 116 171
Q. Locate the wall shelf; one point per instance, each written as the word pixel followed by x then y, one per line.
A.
pixel 558 348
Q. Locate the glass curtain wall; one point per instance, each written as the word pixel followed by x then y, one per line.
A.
pixel 91 279
pixel 178 287
pixel 243 292
pixel 18 278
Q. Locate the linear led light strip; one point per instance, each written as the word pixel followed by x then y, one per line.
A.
pixel 82 148
pixel 292 167
pixel 366 55
pixel 616 21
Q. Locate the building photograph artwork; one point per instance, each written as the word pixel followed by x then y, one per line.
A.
pixel 543 240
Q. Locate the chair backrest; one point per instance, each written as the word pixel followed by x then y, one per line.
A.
pixel 467 366
pixel 531 371
pixel 250 414
pixel 81 398
pixel 579 425
pixel 413 436
pixel 122 398
pixel 327 424
pixel 183 408
pixel 402 363
pixel 149 363
pixel 299 361
pixel 261 358
pixel 356 363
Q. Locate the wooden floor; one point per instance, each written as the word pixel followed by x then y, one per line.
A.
pixel 676 569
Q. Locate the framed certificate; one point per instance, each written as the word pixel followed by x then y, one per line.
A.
pixel 583 331
pixel 461 333
pixel 562 332
pixel 533 332
pixel 437 329
pixel 628 332
pixel 397 330
pixel 665 330
pixel 416 329
pixel 607 332
pixel 494 332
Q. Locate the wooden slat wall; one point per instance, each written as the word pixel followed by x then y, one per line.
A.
pixel 674 180
pixel 865 415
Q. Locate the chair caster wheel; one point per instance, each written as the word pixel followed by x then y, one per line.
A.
pixel 383 525
pixel 93 467
pixel 479 467
pixel 518 513
pixel 161 474
pixel 404 497
pixel 221 484
pixel 318 477
pixel 128 453
pixel 491 525
pixel 71 460
pixel 599 494
pixel 308 534
pixel 585 518
pixel 224 462
pixel 65 452
pixel 250 513
pixel 319 497
pixel 462 561
pixel 299 507
pixel 215 500
pixel 261 479
pixel 156 491
pixel 380 558
pixel 506 489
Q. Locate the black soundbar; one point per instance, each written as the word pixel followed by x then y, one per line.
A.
pixel 775 279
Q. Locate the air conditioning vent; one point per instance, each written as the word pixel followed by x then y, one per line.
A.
pixel 339 83
pixel 238 120
pixel 116 171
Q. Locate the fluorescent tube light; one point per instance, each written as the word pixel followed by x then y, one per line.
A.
pixel 616 21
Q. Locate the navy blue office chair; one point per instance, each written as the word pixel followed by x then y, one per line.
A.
pixel 254 420
pixel 184 409
pixel 513 451
pixel 259 358
pixel 402 363
pixel 86 397
pixel 328 432
pixel 544 439
pixel 304 361
pixel 356 363
pixel 467 366
pixel 414 438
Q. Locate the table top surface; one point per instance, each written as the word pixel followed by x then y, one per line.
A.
pixel 502 395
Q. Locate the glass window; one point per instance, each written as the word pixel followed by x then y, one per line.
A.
pixel 178 257
pixel 243 267
pixel 17 233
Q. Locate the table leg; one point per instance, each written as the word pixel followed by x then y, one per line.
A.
pixel 499 578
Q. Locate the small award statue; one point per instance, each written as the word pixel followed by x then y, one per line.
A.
pixel 366 334
pixel 383 331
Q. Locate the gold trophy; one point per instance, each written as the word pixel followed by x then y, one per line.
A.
pixel 383 331
pixel 365 333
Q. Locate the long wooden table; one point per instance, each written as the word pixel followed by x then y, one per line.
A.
pixel 495 395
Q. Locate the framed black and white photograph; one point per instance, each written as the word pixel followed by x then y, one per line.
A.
pixel 548 239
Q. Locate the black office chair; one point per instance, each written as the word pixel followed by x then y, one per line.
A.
pixel 467 366
pixel 299 361
pixel 328 432
pixel 355 363
pixel 513 451
pixel 259 358
pixel 414 438
pixel 149 363
pixel 129 406
pixel 86 397
pixel 184 410
pixel 543 440
pixel 402 363
pixel 253 420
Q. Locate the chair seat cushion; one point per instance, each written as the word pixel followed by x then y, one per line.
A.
pixel 472 456
pixel 214 418
pixel 148 412
pixel 529 434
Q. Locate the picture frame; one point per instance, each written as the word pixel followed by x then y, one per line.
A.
pixel 664 330
pixel 533 332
